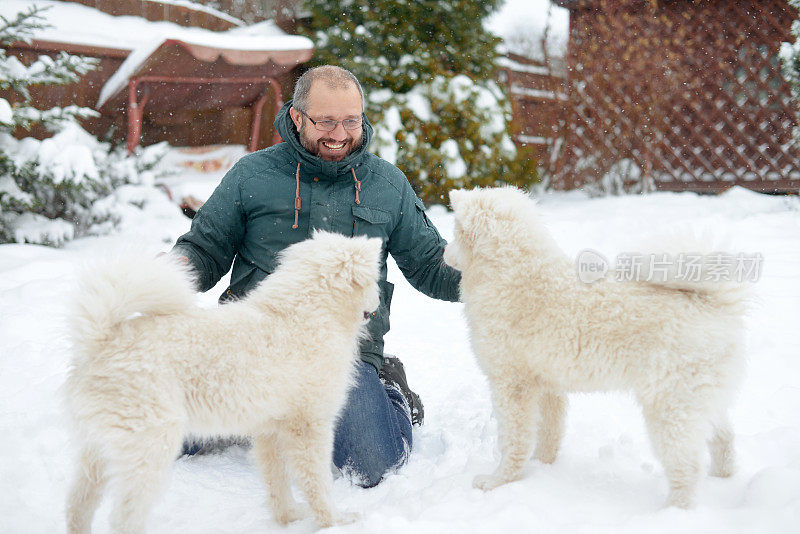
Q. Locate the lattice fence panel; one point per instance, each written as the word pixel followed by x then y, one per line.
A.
pixel 677 95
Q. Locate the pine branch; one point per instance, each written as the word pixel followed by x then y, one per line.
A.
pixel 23 26
pixel 53 118
pixel 61 70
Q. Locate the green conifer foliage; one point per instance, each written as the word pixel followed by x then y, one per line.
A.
pixel 56 189
pixel 427 68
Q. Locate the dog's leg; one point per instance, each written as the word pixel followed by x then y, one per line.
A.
pixel 721 447
pixel 268 452
pixel 677 436
pixel 551 429
pixel 308 443
pixel 516 406
pixel 86 491
pixel 142 464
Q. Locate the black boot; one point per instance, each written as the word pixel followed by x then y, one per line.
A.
pixel 393 374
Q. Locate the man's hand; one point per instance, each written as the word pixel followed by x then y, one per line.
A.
pixel 184 259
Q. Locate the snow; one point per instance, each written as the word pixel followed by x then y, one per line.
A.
pixel 200 7
pixel 68 155
pixel 264 36
pixel 454 164
pixel 35 228
pixel 523 24
pixel 487 96
pixel 65 157
pixel 6 113
pixel 606 478
pixel 79 24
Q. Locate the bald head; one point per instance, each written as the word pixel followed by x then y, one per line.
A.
pixel 333 77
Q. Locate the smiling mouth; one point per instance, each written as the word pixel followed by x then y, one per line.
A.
pixel 334 146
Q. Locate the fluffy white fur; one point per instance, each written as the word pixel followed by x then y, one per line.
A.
pixel 151 367
pixel 538 333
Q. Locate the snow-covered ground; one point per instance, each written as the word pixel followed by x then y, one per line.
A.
pixel 606 478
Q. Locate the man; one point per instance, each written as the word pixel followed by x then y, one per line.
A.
pixel 323 177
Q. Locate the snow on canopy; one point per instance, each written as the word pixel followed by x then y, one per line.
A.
pixel 79 24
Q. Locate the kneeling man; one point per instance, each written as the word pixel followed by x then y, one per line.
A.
pixel 323 177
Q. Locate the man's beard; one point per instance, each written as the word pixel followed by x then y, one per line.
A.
pixel 313 147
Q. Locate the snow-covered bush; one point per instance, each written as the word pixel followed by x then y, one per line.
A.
pixel 51 190
pixel 56 189
pixel 426 133
pixel 427 68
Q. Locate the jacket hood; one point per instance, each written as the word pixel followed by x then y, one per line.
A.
pixel 311 163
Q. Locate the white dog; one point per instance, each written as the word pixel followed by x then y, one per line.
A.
pixel 538 333
pixel 151 367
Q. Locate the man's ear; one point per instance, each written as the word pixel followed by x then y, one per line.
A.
pixel 297 117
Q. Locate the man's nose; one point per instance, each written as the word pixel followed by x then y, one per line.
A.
pixel 339 133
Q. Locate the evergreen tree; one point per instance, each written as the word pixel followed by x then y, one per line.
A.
pixel 51 190
pixel 427 68
pixel 63 69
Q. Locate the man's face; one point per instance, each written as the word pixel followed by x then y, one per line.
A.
pixel 327 103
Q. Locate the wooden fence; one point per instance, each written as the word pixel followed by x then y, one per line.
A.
pixel 537 96
pixel 676 95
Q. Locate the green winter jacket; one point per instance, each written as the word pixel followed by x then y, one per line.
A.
pixel 250 217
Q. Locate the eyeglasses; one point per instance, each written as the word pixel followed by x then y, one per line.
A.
pixel 329 125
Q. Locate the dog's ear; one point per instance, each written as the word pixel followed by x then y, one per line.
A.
pixel 456 196
pixel 472 214
pixel 370 261
pixel 374 248
pixel 358 263
pixel 461 201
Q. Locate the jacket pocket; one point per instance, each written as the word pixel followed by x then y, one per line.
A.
pixel 370 222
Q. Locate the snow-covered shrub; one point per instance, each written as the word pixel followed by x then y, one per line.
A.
pixel 54 190
pixel 623 177
pixel 428 69
pixel 51 190
pixel 428 135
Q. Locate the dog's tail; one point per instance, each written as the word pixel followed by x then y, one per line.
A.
pixel 734 297
pixel 700 263
pixel 123 285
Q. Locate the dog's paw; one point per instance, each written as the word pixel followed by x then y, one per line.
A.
pixel 330 520
pixel 680 499
pixel 723 470
pixel 345 518
pixel 291 514
pixel 487 482
pixel 545 456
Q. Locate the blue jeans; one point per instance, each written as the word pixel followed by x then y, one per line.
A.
pixel 373 434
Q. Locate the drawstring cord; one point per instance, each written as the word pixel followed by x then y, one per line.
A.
pixel 358 185
pixel 297 193
pixel 297 196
